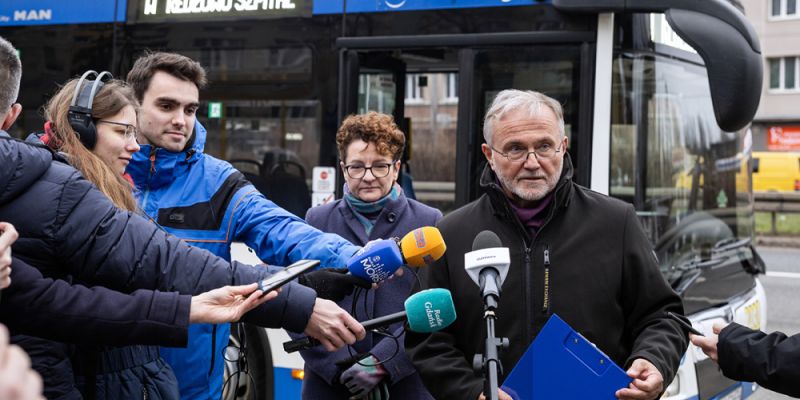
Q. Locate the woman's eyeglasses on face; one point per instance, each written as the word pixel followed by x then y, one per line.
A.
pixel 357 171
pixel 130 130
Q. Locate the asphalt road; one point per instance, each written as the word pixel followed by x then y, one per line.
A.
pixel 783 304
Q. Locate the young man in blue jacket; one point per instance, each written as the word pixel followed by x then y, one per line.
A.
pixel 209 204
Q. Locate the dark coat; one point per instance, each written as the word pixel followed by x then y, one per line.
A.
pixel 771 360
pixel 69 229
pixel 83 315
pixel 397 218
pixel 590 263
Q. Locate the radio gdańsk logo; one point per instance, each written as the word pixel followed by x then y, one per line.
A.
pixel 434 315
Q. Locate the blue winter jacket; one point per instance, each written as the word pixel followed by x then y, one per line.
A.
pixel 70 230
pixel 209 204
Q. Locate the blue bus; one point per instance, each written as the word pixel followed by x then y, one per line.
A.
pixel 658 96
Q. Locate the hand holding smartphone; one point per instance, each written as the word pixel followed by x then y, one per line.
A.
pixel 285 275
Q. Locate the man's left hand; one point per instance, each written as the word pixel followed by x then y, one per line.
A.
pixel 647 383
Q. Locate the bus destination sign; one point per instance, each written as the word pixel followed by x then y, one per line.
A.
pixel 179 10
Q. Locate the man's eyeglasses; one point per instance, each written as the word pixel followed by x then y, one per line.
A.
pixel 130 130
pixel 357 171
pixel 520 154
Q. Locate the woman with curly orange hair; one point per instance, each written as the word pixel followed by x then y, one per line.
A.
pixel 373 207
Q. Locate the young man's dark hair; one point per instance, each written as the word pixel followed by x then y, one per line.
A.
pixel 174 64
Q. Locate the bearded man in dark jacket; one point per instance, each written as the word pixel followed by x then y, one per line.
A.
pixel 574 252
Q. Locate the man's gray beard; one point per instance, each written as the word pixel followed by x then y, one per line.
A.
pixel 526 194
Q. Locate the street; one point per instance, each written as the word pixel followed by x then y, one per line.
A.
pixel 781 284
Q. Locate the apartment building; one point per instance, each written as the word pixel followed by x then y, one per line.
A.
pixel 776 126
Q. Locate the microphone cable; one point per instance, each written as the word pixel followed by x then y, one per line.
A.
pixel 383 331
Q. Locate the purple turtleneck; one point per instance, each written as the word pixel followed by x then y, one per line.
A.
pixel 532 218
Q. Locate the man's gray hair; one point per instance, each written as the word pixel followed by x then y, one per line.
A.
pixel 511 100
pixel 10 75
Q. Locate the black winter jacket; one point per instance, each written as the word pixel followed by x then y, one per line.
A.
pixel 82 315
pixel 590 263
pixel 771 360
pixel 70 230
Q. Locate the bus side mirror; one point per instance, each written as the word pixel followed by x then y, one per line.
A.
pixel 721 35
pixel 735 69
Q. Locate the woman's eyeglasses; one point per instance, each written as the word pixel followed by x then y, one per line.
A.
pixel 357 171
pixel 130 130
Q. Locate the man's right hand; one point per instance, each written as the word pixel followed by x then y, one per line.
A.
pixel 227 304
pixel 501 395
pixel 332 326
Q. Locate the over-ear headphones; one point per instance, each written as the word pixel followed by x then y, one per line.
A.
pixel 80 109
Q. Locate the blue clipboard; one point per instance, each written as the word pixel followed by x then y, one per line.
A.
pixel 562 364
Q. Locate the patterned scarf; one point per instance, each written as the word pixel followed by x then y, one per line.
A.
pixel 367 212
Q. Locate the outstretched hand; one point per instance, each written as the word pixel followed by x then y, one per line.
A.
pixel 227 304
pixel 709 343
pixel 332 326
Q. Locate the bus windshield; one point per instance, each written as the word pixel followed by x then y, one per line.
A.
pixel 687 178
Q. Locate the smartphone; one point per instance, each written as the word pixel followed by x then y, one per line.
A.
pixel 688 327
pixel 280 278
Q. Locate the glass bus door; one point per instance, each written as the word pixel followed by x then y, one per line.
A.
pixel 439 96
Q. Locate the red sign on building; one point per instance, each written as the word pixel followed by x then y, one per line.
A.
pixel 783 138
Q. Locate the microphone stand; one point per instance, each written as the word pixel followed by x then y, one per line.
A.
pixel 489 363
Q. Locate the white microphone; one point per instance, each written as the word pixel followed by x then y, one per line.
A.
pixel 487 264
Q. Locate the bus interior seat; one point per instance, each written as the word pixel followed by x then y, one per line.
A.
pixel 287 188
pixel 406 182
pixel 284 188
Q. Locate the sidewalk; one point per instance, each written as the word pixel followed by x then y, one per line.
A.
pixel 778 241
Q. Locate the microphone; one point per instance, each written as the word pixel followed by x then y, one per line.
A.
pixel 379 259
pixel 487 264
pixel 426 311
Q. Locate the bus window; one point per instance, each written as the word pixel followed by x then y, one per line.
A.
pixel 265 131
pixel 671 161
pixel 431 106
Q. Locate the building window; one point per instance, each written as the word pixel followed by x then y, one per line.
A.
pixel 451 87
pixel 415 83
pixel 783 74
pixel 784 8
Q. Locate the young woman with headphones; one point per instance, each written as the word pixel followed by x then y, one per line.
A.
pixel 95 125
